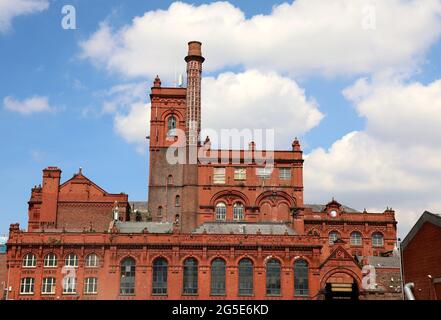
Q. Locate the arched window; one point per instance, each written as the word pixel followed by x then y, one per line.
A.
pixel 29 261
pixel 160 270
pixel 333 236
pixel 301 279
pixel 221 211
pixel 377 239
pixel 246 277
pixel 160 211
pixel 92 260
pixel 170 180
pixel 171 125
pixel 273 277
pixel 127 279
pixel 356 239
pixel 218 272
pixel 71 260
pixel 238 211
pixel 50 260
pixel 177 201
pixel 190 276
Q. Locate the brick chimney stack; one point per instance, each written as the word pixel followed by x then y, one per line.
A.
pixel 194 61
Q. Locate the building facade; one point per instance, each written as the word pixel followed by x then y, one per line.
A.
pixel 218 224
pixel 422 257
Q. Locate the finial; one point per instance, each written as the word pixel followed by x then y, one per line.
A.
pixel 157 82
pixel 296 145
pixel 80 171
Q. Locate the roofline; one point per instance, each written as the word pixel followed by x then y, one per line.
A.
pixel 425 217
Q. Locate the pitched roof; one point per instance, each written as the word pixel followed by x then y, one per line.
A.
pixel 384 262
pixel 427 216
pixel 321 207
pixel 245 228
pixel 138 227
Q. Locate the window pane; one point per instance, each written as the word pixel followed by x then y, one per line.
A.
pixel 218 175
pixel 377 239
pixel 240 174
pixel 218 277
pixel 92 260
pixel 301 279
pixel 48 286
pixel 245 277
pixel 127 280
pixel 273 277
pixel 160 268
pixel 29 260
pixel 91 285
pixel 333 236
pixel 285 173
pixel 356 239
pixel 50 260
pixel 238 211
pixel 190 276
pixel 27 286
pixel 264 173
pixel 221 211
pixel 71 260
pixel 69 285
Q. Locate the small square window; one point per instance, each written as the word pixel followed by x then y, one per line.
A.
pixel 240 174
pixel 219 175
pixel 285 173
pixel 264 173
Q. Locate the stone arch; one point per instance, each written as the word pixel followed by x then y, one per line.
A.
pixel 275 197
pixel 334 271
pixel 229 197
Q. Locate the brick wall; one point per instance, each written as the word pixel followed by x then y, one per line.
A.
pixel 421 257
pixel 3 274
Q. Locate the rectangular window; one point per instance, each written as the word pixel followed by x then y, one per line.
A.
pixel 240 174
pixel 264 173
pixel 285 173
pixel 48 286
pixel 91 285
pixel 218 175
pixel 69 285
pixel 27 286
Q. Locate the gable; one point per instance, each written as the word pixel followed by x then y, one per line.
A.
pixel 338 256
pixel 80 188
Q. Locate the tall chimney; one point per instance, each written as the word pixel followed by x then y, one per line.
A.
pixel 194 61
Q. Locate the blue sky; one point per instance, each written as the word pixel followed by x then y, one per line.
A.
pixel 39 58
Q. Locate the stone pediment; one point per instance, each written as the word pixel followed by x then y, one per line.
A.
pixel 339 254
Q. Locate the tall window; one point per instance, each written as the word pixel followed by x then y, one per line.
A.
pixel 273 277
pixel 27 286
pixel 264 173
pixel 48 286
pixel 177 201
pixel 221 211
pixel 91 285
pixel 219 175
pixel 301 279
pixel 333 236
pixel 377 239
pixel 29 261
pixel 240 174
pixel 50 260
pixel 246 277
pixel 160 211
pixel 171 126
pixel 69 285
pixel 190 276
pixel 92 260
pixel 71 260
pixel 127 279
pixel 238 211
pixel 218 272
pixel 285 173
pixel 356 239
pixel 160 269
pixel 170 180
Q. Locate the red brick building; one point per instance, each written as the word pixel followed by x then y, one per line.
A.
pixel 218 224
pixel 421 256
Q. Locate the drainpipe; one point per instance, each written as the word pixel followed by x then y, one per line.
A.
pixel 408 290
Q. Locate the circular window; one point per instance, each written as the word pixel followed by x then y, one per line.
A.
pixel 333 213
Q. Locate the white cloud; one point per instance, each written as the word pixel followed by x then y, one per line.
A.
pixel 28 106
pixel 307 36
pixel 395 161
pixel 9 9
pixel 256 100
pixel 229 101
